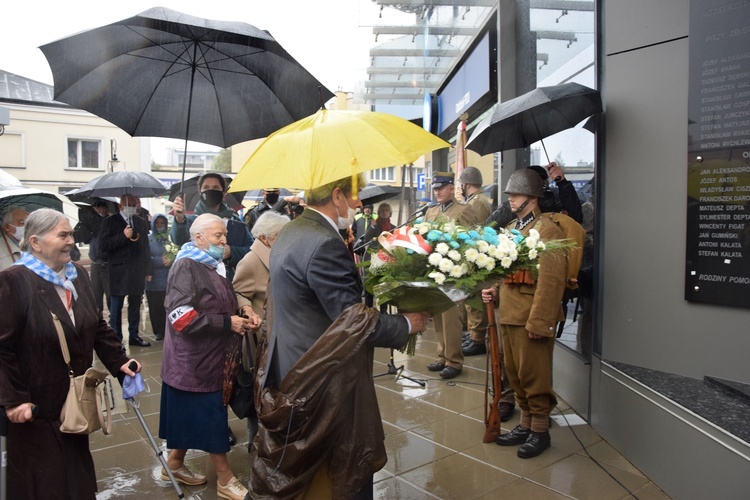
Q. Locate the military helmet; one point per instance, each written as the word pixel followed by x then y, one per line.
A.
pixel 471 175
pixel 525 181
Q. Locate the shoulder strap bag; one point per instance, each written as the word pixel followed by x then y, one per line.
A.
pixel 82 411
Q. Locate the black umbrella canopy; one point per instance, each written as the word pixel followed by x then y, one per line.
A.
pixel 190 193
pixel 531 117
pixel 163 73
pixel 118 183
pixel 371 195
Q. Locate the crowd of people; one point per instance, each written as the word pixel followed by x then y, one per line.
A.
pixel 284 275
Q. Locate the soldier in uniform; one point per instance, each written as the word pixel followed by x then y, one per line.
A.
pixel 530 307
pixel 448 325
pixel 476 319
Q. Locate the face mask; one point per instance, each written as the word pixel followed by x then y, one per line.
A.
pixel 212 197
pixel 345 222
pixel 129 211
pixel 216 252
pixel 272 198
pixel 17 232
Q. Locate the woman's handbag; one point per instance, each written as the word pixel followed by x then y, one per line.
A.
pixel 242 398
pixel 82 411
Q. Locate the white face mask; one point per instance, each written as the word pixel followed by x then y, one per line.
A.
pixel 17 232
pixel 345 222
pixel 129 211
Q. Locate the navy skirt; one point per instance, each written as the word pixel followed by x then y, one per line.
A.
pixel 193 420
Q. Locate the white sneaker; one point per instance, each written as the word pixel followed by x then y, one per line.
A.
pixel 234 490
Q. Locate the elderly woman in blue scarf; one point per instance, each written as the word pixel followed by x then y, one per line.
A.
pixel 202 318
pixel 44 462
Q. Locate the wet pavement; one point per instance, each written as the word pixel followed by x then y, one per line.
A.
pixel 433 438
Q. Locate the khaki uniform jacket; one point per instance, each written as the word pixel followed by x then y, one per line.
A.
pixel 538 307
pixel 481 208
pixel 457 211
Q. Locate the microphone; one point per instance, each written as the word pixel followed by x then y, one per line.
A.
pixel 421 210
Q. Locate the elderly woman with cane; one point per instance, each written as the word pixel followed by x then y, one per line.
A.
pixel 202 318
pixel 44 462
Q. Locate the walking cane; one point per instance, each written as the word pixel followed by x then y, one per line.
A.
pixel 133 367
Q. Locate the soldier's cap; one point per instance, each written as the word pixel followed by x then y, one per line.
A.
pixel 440 179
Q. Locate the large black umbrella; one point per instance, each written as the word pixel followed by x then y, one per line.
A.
pixel 190 193
pixel 31 199
pixel 371 195
pixel 163 73
pixel 118 183
pixel 531 117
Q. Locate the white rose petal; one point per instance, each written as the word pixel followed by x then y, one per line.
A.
pixel 454 255
pixel 442 248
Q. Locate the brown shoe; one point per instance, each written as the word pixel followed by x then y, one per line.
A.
pixel 233 490
pixel 184 475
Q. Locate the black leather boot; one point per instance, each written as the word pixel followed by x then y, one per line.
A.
pixel 535 445
pixel 517 436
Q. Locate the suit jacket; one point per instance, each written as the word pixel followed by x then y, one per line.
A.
pixel 314 279
pixel 129 261
pixel 43 462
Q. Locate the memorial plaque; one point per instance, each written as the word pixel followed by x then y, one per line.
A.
pixel 718 208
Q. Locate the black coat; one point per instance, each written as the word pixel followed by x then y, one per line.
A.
pixel 129 261
pixel 42 461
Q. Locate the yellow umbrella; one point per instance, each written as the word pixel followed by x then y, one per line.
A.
pixel 331 145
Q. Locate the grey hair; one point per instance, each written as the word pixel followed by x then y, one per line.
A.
pixel 321 195
pixel 201 222
pixel 269 224
pixel 8 213
pixel 39 223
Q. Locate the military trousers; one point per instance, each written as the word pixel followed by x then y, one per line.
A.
pixel 528 363
pixel 448 333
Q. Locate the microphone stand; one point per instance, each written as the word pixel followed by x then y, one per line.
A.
pixel 399 372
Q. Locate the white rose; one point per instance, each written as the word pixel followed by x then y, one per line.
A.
pixel 434 259
pixel 471 254
pixel 457 271
pixel 483 246
pixel 454 255
pixel 531 242
pixel 513 255
pixel 490 264
pixel 423 228
pixel 482 260
pixel 506 262
pixel 533 254
pixel 438 277
pixel 541 246
pixel 534 234
pixel 442 248
pixel 445 265
pixel 504 246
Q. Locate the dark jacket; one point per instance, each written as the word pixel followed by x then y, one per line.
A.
pixel 314 279
pixel 193 358
pixel 129 261
pixel 329 399
pixel 252 215
pixel 238 236
pixel 159 271
pixel 42 461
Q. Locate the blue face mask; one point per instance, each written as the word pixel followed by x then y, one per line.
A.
pixel 216 252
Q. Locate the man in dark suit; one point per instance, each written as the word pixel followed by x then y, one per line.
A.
pixel 124 245
pixel 314 280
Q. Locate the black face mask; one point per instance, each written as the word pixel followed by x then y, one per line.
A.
pixel 272 198
pixel 212 197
